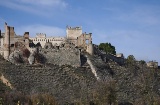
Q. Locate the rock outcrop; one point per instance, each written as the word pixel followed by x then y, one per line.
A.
pixel 16 56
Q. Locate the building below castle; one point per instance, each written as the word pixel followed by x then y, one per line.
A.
pixel 43 39
pixel 152 64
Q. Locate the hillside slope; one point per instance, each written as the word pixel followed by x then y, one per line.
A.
pixel 135 84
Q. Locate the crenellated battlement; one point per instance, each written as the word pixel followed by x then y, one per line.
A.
pixel 74 28
pixel 40 35
pixel 74 36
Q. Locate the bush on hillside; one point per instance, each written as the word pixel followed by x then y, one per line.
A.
pixel 108 48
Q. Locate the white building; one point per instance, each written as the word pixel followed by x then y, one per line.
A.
pixel 42 39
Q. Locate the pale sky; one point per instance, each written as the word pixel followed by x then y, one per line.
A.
pixel 132 26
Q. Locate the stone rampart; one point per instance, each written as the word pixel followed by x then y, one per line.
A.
pixel 62 56
pixel 106 57
pixel 152 64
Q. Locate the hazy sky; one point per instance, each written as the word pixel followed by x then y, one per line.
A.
pixel 132 26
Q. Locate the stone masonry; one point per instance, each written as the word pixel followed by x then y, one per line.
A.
pixel 67 55
pixel 59 54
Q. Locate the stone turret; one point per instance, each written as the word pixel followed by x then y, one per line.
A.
pixel 90 48
pixel 89 45
pixel 26 39
pixel 73 33
pixel 6 42
pixel 26 35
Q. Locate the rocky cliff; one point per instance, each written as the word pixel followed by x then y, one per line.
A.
pixel 134 83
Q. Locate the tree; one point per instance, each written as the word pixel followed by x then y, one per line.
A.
pixel 131 60
pixel 142 62
pixel 108 48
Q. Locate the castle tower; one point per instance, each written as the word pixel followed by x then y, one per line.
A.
pixel 26 39
pixel 26 35
pixel 8 40
pixel 73 33
pixel 90 48
pixel 89 44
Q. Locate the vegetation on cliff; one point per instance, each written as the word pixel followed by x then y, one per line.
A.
pixel 107 47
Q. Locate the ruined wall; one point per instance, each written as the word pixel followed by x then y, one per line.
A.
pixel 62 56
pixel 107 57
pixel 8 40
pixel 73 33
pixel 90 49
pixel 120 55
pixel 9 35
pixel 12 35
pixel 26 35
pixel 152 64
pixel 84 39
pixel 119 60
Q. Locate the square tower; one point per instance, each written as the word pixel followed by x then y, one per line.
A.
pixel 8 40
pixel 73 32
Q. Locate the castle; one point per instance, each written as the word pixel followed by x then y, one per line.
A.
pixel 9 41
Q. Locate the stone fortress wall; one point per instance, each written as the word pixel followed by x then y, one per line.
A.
pixel 65 49
pixel 63 55
pixel 9 42
pixel 152 64
pixel 118 58
pixel 73 34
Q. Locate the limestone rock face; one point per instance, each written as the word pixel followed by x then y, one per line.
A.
pixel 48 45
pixel 33 50
pixel 31 59
pixel 15 57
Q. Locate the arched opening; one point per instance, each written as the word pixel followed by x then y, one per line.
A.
pixel 87 41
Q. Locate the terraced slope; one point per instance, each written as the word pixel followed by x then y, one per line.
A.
pixel 135 84
pixel 64 82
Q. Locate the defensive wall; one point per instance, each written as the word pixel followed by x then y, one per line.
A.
pixel 152 64
pixel 119 58
pixel 63 55
pixel 9 41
